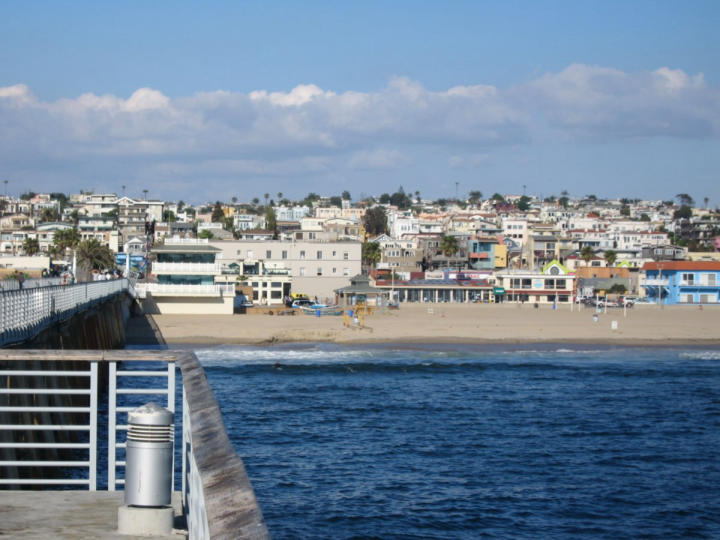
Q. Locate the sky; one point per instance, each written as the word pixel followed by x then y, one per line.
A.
pixel 204 101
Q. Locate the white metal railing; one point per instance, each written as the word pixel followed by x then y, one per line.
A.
pixel 186 268
pixel 655 282
pixel 177 289
pixel 43 406
pixel 23 313
pixel 42 401
pixel 32 409
pixel 14 285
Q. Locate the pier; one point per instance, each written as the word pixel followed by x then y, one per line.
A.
pixel 63 416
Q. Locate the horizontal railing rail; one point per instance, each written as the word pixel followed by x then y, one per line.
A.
pixel 186 267
pixel 24 313
pixel 178 289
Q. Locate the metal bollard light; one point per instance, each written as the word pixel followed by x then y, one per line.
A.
pixel 149 456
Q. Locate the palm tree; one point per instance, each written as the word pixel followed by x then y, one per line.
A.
pixel 66 239
pixel 123 188
pixel 145 192
pixel 587 254
pixel 371 253
pixel 706 200
pixel 280 195
pixel 234 200
pixel 610 257
pixel 92 255
pixel 449 246
pixel 31 246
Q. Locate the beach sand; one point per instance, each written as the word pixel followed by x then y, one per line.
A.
pixel 458 323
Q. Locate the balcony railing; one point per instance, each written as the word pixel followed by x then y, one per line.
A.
pixel 49 410
pixel 186 268
pixel 656 282
pixel 178 289
pixel 14 285
pixel 686 283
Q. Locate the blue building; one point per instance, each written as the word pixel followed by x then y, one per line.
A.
pixel 481 252
pixel 682 282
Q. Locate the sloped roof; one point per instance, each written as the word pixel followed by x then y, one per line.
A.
pixel 682 265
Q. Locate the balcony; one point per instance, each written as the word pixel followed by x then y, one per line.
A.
pixel 185 268
pixel 655 282
pixel 693 283
pixel 169 289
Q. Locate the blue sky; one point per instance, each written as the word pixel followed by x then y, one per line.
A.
pixel 207 101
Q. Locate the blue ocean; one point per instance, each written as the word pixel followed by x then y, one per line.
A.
pixel 476 441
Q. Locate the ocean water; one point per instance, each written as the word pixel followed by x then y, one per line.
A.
pixel 476 441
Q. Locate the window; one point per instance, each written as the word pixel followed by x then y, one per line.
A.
pixel 254 283
pixel 345 255
pixel 275 294
pixel 319 271
pixel 276 284
pixel 334 270
pixel 311 236
pixel 302 270
pixel 302 254
pixel 268 254
pixel 346 271
pixel 238 252
pixel 689 279
pixel 319 254
pixel 334 253
pixel 284 254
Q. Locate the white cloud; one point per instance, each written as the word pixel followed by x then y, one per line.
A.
pixel 309 129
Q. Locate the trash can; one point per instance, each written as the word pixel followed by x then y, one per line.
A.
pixel 149 456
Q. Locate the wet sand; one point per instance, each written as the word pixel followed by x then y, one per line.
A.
pixel 458 323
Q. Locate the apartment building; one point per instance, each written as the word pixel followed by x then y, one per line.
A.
pixel 316 268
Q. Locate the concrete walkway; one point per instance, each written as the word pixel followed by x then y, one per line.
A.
pixel 68 514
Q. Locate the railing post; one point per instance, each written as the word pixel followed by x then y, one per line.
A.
pixel 112 437
pixel 93 424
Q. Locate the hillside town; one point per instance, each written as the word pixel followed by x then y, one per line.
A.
pixel 398 246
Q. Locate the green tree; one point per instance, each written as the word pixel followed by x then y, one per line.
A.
pixel 375 221
pixel 684 199
pixel 27 196
pixel 205 234
pixel 524 203
pixel 384 198
pixel 644 217
pixel 271 221
pixel 563 201
pixel 31 246
pixel 610 257
pixel 625 210
pixel 217 214
pixel 336 201
pixel 180 206
pixel 169 216
pixel 400 199
pixel 92 255
pixel 371 253
pixel 617 288
pixel 684 212
pixel 449 245
pixel 346 195
pixel 66 239
pixel 587 254
pixel 48 214
pixel 474 197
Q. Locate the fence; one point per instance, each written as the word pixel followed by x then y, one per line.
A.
pixel 24 313
pixel 218 499
pixel 32 283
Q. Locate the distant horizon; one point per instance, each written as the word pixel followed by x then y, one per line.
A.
pixel 610 98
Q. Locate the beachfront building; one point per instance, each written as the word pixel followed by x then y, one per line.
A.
pixel 184 275
pixel 552 285
pixel 460 288
pixel 682 282
pixel 316 268
pixel 270 283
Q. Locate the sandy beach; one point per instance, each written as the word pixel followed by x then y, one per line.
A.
pixel 458 323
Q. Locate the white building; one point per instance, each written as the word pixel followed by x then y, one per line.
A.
pixel 316 268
